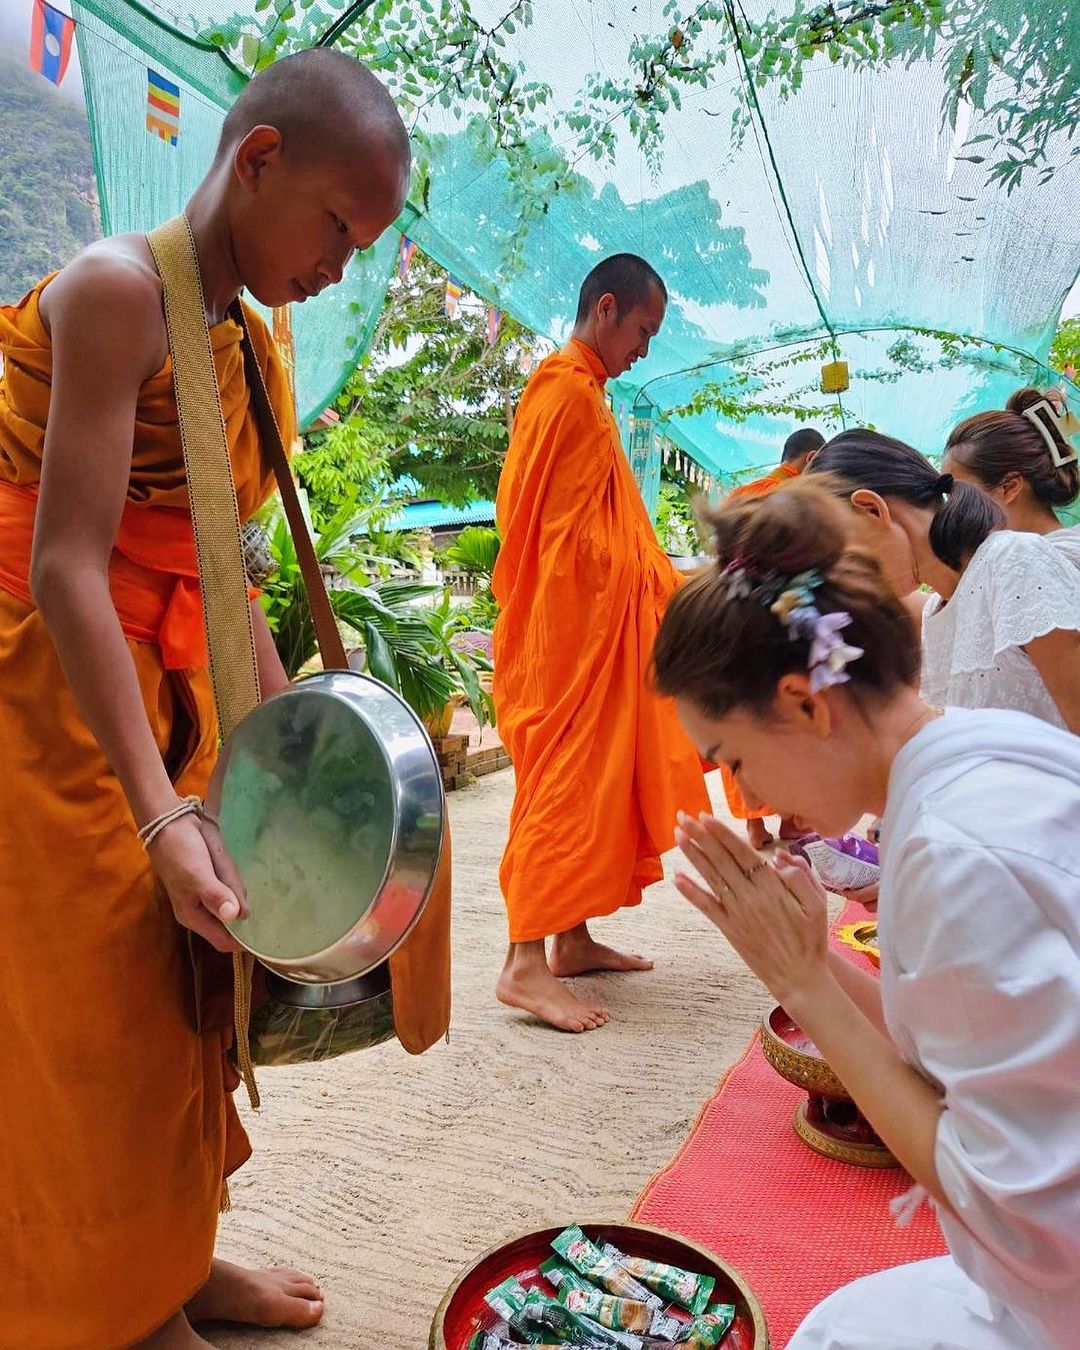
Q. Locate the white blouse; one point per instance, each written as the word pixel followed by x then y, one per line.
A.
pixel 1016 588
pixel 979 932
pixel 1067 541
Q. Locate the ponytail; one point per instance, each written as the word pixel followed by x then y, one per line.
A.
pixel 961 523
pixel 963 516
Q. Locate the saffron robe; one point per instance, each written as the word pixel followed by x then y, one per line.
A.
pixel 116 1117
pixel 602 762
pixel 979 928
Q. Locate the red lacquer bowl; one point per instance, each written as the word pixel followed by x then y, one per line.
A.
pixel 464 1312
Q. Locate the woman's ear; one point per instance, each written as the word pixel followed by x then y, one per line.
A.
pixel 1009 488
pixel 872 505
pixel 799 707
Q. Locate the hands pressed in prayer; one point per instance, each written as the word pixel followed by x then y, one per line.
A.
pixel 775 915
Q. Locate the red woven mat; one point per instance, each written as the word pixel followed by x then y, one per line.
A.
pixel 795 1224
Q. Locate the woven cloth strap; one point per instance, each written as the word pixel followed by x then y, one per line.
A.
pixel 214 513
pixel 230 637
pixel 331 647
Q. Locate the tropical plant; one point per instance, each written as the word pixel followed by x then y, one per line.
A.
pixel 475 552
pixel 403 631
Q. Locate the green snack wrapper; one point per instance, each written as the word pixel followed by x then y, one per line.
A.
pixel 574 1327
pixel 596 1265
pixel 508 1300
pixel 683 1287
pixel 561 1276
pixel 491 1340
pixel 708 1330
pixel 621 1314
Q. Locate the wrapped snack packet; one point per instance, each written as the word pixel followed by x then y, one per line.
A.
pixel 623 1314
pixel 573 1326
pixel 664 1327
pixel 841 865
pixel 708 1330
pixel 491 1340
pixel 559 1275
pixel 683 1287
pixel 599 1267
pixel 508 1300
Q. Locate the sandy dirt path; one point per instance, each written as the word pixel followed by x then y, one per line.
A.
pixel 383 1175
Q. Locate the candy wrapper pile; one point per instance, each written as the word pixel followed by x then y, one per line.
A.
pixel 599 1298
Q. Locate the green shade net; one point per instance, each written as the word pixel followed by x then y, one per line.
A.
pixel 848 219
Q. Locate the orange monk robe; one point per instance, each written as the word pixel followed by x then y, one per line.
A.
pixel 602 763
pixel 760 487
pixel 117 1125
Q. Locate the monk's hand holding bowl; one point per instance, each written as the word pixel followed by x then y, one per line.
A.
pixel 774 915
pixel 200 880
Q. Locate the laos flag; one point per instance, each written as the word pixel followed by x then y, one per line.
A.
pixel 50 41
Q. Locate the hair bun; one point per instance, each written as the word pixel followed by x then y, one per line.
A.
pixel 1024 400
pixel 945 484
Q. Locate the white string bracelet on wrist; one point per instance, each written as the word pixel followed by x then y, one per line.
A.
pixel 190 806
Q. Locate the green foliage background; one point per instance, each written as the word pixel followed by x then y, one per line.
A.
pixel 48 200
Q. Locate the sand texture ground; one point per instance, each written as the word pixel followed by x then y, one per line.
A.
pixel 383 1175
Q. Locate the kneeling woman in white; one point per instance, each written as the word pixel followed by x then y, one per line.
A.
pixel 794 664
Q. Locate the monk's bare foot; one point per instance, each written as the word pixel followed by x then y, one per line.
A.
pixel 176 1334
pixel 275 1297
pixel 757 834
pixel 532 987
pixel 577 953
pixel 790 829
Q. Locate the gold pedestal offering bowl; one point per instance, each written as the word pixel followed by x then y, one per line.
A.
pixel 828 1121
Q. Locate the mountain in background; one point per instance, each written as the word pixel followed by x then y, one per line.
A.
pixel 48 198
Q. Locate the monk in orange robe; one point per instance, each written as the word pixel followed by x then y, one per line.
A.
pixel 602 764
pixel 115 1012
pixel 799 448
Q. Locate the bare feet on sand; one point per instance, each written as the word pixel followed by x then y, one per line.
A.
pixel 790 830
pixel 532 988
pixel 757 834
pixel 527 983
pixel 577 953
pixel 274 1297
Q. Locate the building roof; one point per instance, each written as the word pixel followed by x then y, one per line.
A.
pixel 431 515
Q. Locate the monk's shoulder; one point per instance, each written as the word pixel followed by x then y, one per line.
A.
pixel 109 300
pixel 563 391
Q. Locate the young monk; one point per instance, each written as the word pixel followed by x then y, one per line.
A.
pixel 582 584
pixel 794 663
pixel 118 1123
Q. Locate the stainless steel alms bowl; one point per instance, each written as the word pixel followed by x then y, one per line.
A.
pixel 331 805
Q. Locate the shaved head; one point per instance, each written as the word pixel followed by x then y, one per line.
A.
pixel 314 164
pixel 324 104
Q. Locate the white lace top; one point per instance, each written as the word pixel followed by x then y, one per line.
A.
pixel 1067 541
pixel 1016 588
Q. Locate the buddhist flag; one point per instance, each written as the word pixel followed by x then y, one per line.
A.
pixel 494 323
pixel 162 107
pixel 452 303
pixel 405 254
pixel 50 41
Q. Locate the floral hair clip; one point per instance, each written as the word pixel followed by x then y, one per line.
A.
pixel 792 602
